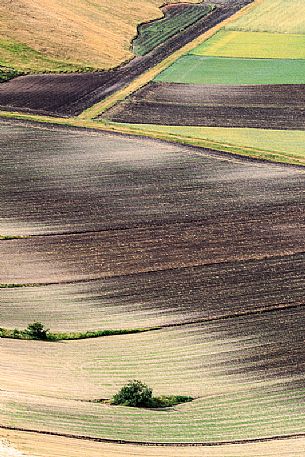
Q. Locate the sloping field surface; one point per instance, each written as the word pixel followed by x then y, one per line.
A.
pixel 146 300
pixel 273 144
pixel 223 251
pixel 280 16
pixel 265 106
pixel 63 181
pixel 35 34
pixel 48 446
pixel 253 45
pixel 233 71
pixel 246 374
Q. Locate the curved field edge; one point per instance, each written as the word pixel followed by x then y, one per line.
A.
pixel 150 131
pixel 46 445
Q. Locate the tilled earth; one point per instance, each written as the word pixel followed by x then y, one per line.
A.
pixel 265 106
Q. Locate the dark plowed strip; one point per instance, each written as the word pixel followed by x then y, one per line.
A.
pixel 263 96
pixel 56 180
pixel 271 106
pixel 170 247
pixel 68 95
pixel 171 298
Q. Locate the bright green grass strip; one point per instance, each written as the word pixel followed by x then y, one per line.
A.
pixel 233 71
pixel 157 32
pixel 282 16
pixel 258 45
pixel 276 145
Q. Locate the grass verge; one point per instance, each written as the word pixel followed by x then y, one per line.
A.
pixel 68 336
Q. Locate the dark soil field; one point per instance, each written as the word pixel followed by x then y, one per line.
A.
pixel 270 106
pixel 67 95
pixel 174 296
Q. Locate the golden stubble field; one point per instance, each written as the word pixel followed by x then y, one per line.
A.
pixel 93 33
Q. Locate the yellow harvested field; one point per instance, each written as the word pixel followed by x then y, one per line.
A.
pixel 282 16
pixel 81 32
pixel 31 445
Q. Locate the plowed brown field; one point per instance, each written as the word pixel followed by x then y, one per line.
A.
pixel 270 106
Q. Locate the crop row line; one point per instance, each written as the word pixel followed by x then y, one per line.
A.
pixel 157 444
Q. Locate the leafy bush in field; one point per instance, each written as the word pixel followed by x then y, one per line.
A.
pixel 138 394
pixel 7 74
pixel 135 393
pixel 157 32
pixel 37 331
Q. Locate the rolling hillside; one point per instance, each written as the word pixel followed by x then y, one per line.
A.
pixel 66 35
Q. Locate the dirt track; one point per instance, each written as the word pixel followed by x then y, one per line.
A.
pixel 270 106
pixel 68 95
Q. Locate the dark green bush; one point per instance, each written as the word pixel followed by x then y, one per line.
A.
pixel 135 393
pixel 37 331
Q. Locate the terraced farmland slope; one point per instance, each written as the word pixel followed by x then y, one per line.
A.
pixel 220 268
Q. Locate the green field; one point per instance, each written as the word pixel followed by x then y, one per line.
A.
pixel 258 45
pixel 283 16
pixel 277 145
pixel 157 32
pixel 233 71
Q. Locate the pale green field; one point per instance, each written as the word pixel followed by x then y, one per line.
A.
pixel 283 16
pixel 237 395
pixel 258 45
pixel 276 145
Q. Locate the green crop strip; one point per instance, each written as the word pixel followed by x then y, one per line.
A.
pixel 192 69
pixel 68 336
pixel 157 32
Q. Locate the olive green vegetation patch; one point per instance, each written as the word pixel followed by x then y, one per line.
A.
pixel 192 69
pixel 277 16
pixel 157 32
pixel 275 145
pixel 258 45
pixel 5 75
pixel 23 58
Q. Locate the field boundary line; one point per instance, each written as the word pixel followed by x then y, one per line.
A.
pixel 156 444
pixel 228 152
pixel 102 106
